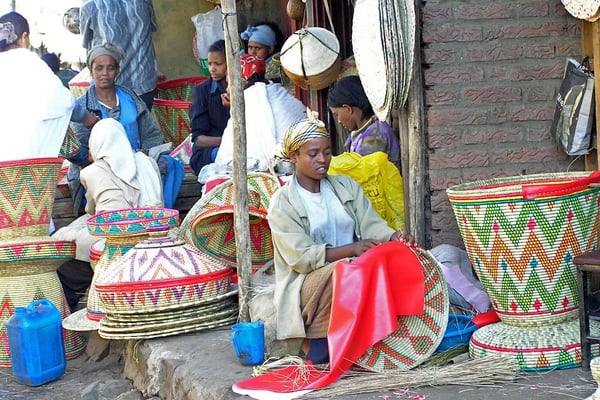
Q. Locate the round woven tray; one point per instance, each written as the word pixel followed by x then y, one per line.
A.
pixel 131 221
pixel 521 234
pixel 417 336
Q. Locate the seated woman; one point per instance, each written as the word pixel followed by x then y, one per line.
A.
pixel 107 100
pixel 348 101
pixel 316 220
pixel 269 111
pixel 117 178
pixel 208 112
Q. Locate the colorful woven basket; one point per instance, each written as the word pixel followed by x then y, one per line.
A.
pixel 28 273
pixel 70 146
pixel 209 223
pixel 521 234
pixel 27 190
pixel 161 272
pixel 183 152
pixel 536 348
pixel 171 107
pixel 417 336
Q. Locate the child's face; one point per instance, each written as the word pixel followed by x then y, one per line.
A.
pixel 217 65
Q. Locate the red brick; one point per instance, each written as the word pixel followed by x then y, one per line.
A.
pixel 539 9
pixel 539 133
pixel 454 74
pixel 441 180
pixel 458 159
pixel 474 175
pixel 433 14
pixel 445 117
pixel 439 201
pixel 494 52
pixel 439 138
pixel 485 11
pixel 443 220
pixel 492 94
pixel 439 56
pixel 531 112
pixel 454 33
pixel 438 97
pixel 525 29
pixel 541 92
pixel 521 72
pixel 568 49
pixel 491 134
pixel 531 154
pixel 542 50
pixel 497 115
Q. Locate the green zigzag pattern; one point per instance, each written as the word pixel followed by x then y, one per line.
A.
pixel 36 184
pixel 507 291
pixel 585 217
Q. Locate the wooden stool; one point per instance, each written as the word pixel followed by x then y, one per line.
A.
pixel 586 264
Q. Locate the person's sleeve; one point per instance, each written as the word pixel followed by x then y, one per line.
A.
pixel 86 15
pixel 199 119
pixel 79 112
pixel 293 244
pixel 153 23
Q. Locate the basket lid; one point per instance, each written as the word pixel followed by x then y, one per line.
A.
pixel 310 51
pixel 160 261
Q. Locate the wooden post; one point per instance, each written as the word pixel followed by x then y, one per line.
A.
pixel 240 179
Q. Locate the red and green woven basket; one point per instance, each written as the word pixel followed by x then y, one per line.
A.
pixel 171 107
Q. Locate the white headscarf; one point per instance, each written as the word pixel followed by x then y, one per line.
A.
pixel 108 141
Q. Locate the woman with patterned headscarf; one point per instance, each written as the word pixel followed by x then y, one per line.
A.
pixel 316 220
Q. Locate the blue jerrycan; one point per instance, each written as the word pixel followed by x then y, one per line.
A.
pixel 35 342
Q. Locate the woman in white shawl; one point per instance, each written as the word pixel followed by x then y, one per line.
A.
pixel 118 178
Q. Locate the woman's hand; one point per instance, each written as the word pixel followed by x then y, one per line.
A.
pixel 363 245
pixel 404 237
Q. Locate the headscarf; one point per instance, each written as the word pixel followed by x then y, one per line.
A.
pixel 106 49
pixel 262 34
pixel 108 141
pixel 302 131
pixel 252 65
pixel 349 90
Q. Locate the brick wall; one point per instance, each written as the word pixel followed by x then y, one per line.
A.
pixel 491 72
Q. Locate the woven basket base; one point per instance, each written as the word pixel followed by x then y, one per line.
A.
pixel 14 293
pixel 537 348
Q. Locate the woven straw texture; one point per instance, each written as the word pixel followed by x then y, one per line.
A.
pixel 70 145
pixel 209 225
pixel 131 221
pixel 171 106
pixel 522 250
pixel 183 152
pixel 417 336
pixel 27 196
pixel 535 348
pixel 19 291
pixel 161 272
pixel 42 249
pixel 78 89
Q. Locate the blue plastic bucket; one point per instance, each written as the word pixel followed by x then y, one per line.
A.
pixel 35 342
pixel 458 333
pixel 249 342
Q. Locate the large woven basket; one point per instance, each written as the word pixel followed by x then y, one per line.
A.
pixel 171 107
pixel 28 273
pixel 27 190
pixel 522 233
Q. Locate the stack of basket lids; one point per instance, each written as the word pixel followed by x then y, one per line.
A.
pixel 384 57
pixel 163 287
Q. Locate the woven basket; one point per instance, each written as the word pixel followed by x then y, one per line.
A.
pixel 27 190
pixel 535 348
pixel 310 58
pixel 161 272
pixel 521 234
pixel 171 107
pixel 209 223
pixel 417 336
pixel 70 146
pixel 28 273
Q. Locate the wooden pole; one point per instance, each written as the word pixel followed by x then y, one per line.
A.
pixel 240 185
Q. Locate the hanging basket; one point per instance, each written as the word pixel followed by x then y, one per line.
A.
pixel 311 58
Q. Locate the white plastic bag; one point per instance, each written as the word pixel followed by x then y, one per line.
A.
pixel 209 29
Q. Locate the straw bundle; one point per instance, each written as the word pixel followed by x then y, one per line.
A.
pixel 489 370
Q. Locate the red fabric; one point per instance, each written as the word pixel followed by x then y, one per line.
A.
pixel 252 65
pixel 368 296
